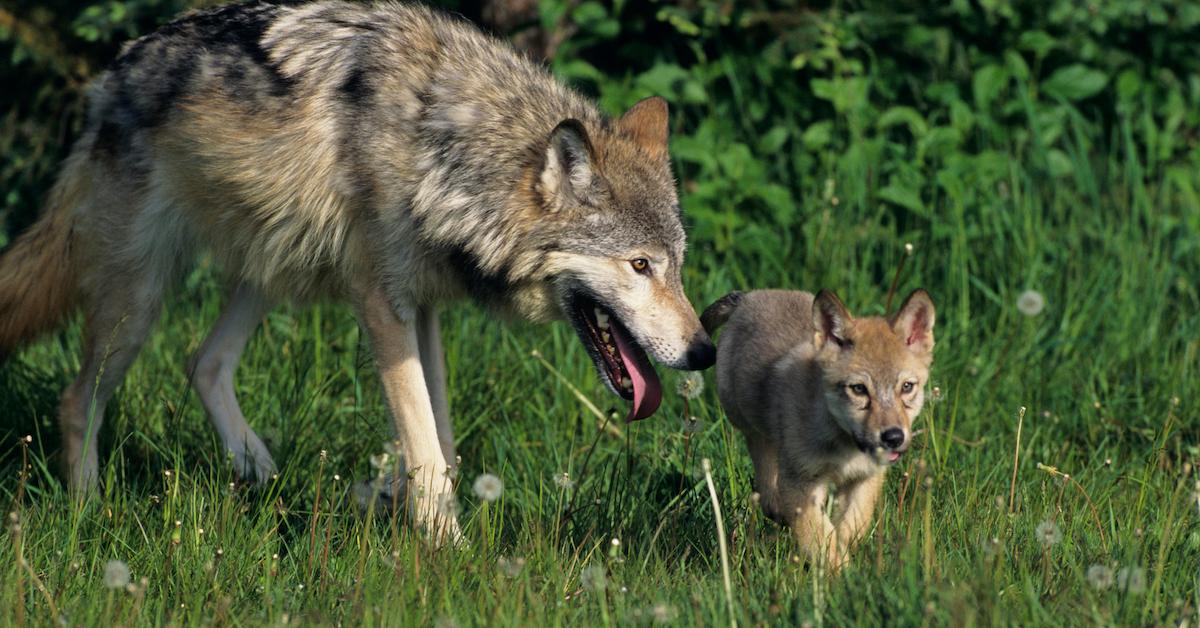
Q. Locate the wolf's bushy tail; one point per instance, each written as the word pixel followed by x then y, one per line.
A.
pixel 37 281
pixel 716 314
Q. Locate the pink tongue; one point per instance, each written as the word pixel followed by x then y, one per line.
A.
pixel 893 456
pixel 647 391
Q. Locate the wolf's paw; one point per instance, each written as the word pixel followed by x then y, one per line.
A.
pixel 252 461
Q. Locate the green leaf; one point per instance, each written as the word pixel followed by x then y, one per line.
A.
pixel 819 135
pixel 906 116
pixel 905 197
pixel 987 84
pixel 773 140
pixel 1074 82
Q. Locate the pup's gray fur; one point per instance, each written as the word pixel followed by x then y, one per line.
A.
pixel 823 399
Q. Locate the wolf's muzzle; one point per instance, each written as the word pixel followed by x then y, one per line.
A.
pixel 701 353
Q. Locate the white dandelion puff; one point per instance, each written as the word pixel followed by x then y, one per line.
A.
pixel 594 578
pixel 1031 303
pixel 663 613
pixel 1048 533
pixel 690 384
pixel 116 574
pixel 1100 577
pixel 1131 579
pixel 488 487
pixel 510 567
pixel 564 482
pixel 448 505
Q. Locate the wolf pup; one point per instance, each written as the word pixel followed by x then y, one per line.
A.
pixel 388 155
pixel 823 399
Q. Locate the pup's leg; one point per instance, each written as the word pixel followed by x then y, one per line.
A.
pixel 212 372
pixel 858 505
pixel 433 363
pixel 118 319
pixel 811 526
pixel 397 353
pixel 765 456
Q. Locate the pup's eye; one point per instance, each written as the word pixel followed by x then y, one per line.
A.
pixel 906 388
pixel 641 264
pixel 858 389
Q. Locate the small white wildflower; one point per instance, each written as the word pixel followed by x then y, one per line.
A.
pixel 1100 577
pixel 663 613
pixel 488 487
pixel 1048 533
pixel 564 482
pixel 510 567
pixel 1131 579
pixel 991 547
pixel 593 578
pixel 1031 303
pixel 908 248
pixel 690 384
pixel 116 574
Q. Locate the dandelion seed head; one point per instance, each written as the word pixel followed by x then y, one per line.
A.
pixel 663 613
pixel 692 425
pixel 1100 577
pixel 593 578
pixel 448 505
pixel 116 574
pixel 908 248
pixel 510 567
pixel 690 384
pixel 1048 533
pixel 488 487
pixel 1131 579
pixel 564 482
pixel 1031 303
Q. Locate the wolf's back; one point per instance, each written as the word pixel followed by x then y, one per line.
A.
pixel 37 274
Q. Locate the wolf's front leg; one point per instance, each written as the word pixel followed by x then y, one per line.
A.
pixel 397 353
pixel 858 506
pixel 811 526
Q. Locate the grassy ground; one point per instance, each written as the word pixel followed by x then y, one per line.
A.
pixel 1107 372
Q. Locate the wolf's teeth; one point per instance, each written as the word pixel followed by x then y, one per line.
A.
pixel 601 319
pixel 626 383
pixel 606 336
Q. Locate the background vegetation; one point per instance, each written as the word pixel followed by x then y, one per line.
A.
pixel 1019 146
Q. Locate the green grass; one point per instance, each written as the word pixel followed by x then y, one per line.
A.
pixel 1107 372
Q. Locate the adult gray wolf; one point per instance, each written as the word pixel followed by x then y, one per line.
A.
pixel 385 154
pixel 823 399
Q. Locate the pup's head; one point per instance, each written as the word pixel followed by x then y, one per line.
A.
pixel 613 268
pixel 874 370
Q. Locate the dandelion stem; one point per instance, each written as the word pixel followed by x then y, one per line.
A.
pixel 712 492
pixel 1012 489
pixel 896 277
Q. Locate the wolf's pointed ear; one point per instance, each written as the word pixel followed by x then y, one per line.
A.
pixel 914 321
pixel 831 320
pixel 647 123
pixel 568 170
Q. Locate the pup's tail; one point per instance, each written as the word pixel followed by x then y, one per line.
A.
pixel 716 314
pixel 37 286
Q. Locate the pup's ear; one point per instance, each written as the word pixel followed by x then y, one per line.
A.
pixel 647 123
pixel 914 321
pixel 568 171
pixel 831 319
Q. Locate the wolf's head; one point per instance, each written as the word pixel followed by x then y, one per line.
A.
pixel 613 268
pixel 874 370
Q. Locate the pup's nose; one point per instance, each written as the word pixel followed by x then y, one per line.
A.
pixel 701 354
pixel 892 437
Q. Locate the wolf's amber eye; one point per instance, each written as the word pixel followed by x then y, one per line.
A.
pixel 640 264
pixel 858 389
pixel 906 388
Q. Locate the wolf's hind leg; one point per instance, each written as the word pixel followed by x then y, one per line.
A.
pixel 433 363
pixel 119 316
pixel 395 343
pixel 212 371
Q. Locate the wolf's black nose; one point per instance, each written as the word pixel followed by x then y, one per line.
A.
pixel 892 437
pixel 701 354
